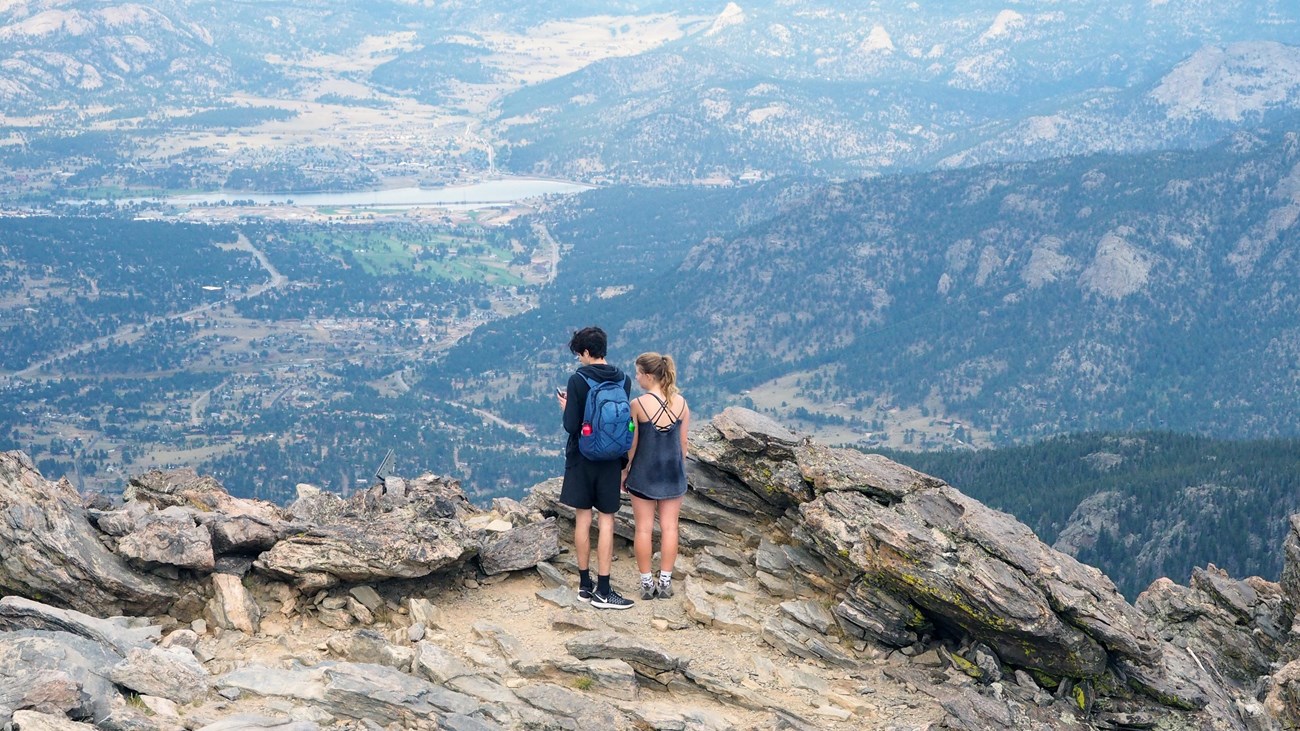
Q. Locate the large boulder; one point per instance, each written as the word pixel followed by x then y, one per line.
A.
pixel 908 551
pixel 49 550
pixel 399 530
pixel 236 526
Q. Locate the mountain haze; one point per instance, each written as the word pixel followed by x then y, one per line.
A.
pixel 775 88
pixel 644 92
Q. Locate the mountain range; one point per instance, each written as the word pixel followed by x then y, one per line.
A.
pixel 779 88
pixel 678 92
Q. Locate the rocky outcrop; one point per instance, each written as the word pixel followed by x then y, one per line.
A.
pixel 399 530
pixel 817 588
pixel 908 562
pixel 913 550
pixel 52 552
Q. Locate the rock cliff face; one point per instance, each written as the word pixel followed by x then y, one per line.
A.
pixel 820 588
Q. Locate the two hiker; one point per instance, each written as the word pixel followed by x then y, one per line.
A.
pixel 604 423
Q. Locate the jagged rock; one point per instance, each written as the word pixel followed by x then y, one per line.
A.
pixel 160 707
pixel 718 487
pixel 56 672
pixel 700 511
pixel 810 614
pixel 829 469
pixel 19 613
pixel 756 450
pixel 789 563
pixel 185 488
pixel 711 568
pixel 121 521
pixel 954 579
pixel 34 721
pixel 437 664
pixel 170 537
pixel 570 620
pixel 354 690
pixel 1291 565
pixel 792 638
pixel 868 612
pixel 340 619
pixel 771 558
pixel 520 548
pixel 551 576
pixel 720 614
pixel 297 682
pixel 515 652
pixel 231 607
pixel 387 695
pixel 878 555
pixel 560 596
pixel 248 722
pixel 726 691
pixel 925 545
pixel 985 659
pixel 369 646
pixel 246 534
pixel 778 586
pixel 124 716
pixel 646 658
pixel 424 612
pixel 483 688
pixel 371 540
pixel 1283 695
pixel 459 722
pixel 677 719
pixel 360 612
pixel 368 597
pixel 52 553
pixel 583 710
pixel 1214 620
pixel 173 674
pixel 42 690
pixel 613 678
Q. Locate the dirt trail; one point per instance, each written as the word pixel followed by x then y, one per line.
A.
pixel 813 696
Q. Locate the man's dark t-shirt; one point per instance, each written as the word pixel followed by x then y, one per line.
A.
pixel 577 404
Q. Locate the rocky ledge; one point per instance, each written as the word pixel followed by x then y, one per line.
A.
pixel 821 588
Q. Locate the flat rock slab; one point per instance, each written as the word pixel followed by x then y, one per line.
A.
pixel 19 613
pixel 614 646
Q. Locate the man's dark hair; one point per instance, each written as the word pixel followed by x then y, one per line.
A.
pixel 590 339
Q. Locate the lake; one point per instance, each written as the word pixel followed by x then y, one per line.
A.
pixel 488 192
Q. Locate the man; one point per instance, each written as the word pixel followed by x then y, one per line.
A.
pixel 591 484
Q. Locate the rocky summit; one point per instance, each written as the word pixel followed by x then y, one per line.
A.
pixel 820 588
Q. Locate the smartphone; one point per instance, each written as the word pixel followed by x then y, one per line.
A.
pixel 559 392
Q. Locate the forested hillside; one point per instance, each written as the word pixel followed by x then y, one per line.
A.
pixel 1140 506
pixel 1091 293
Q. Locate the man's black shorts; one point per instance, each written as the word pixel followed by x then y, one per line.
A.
pixel 590 484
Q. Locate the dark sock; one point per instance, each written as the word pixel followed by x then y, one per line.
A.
pixel 602 585
pixel 584 578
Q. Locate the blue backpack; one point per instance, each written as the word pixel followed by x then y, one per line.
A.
pixel 606 422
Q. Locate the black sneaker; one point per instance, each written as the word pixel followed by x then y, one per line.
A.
pixel 610 601
pixel 648 590
pixel 585 592
pixel 664 589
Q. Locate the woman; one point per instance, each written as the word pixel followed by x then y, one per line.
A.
pixel 655 475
